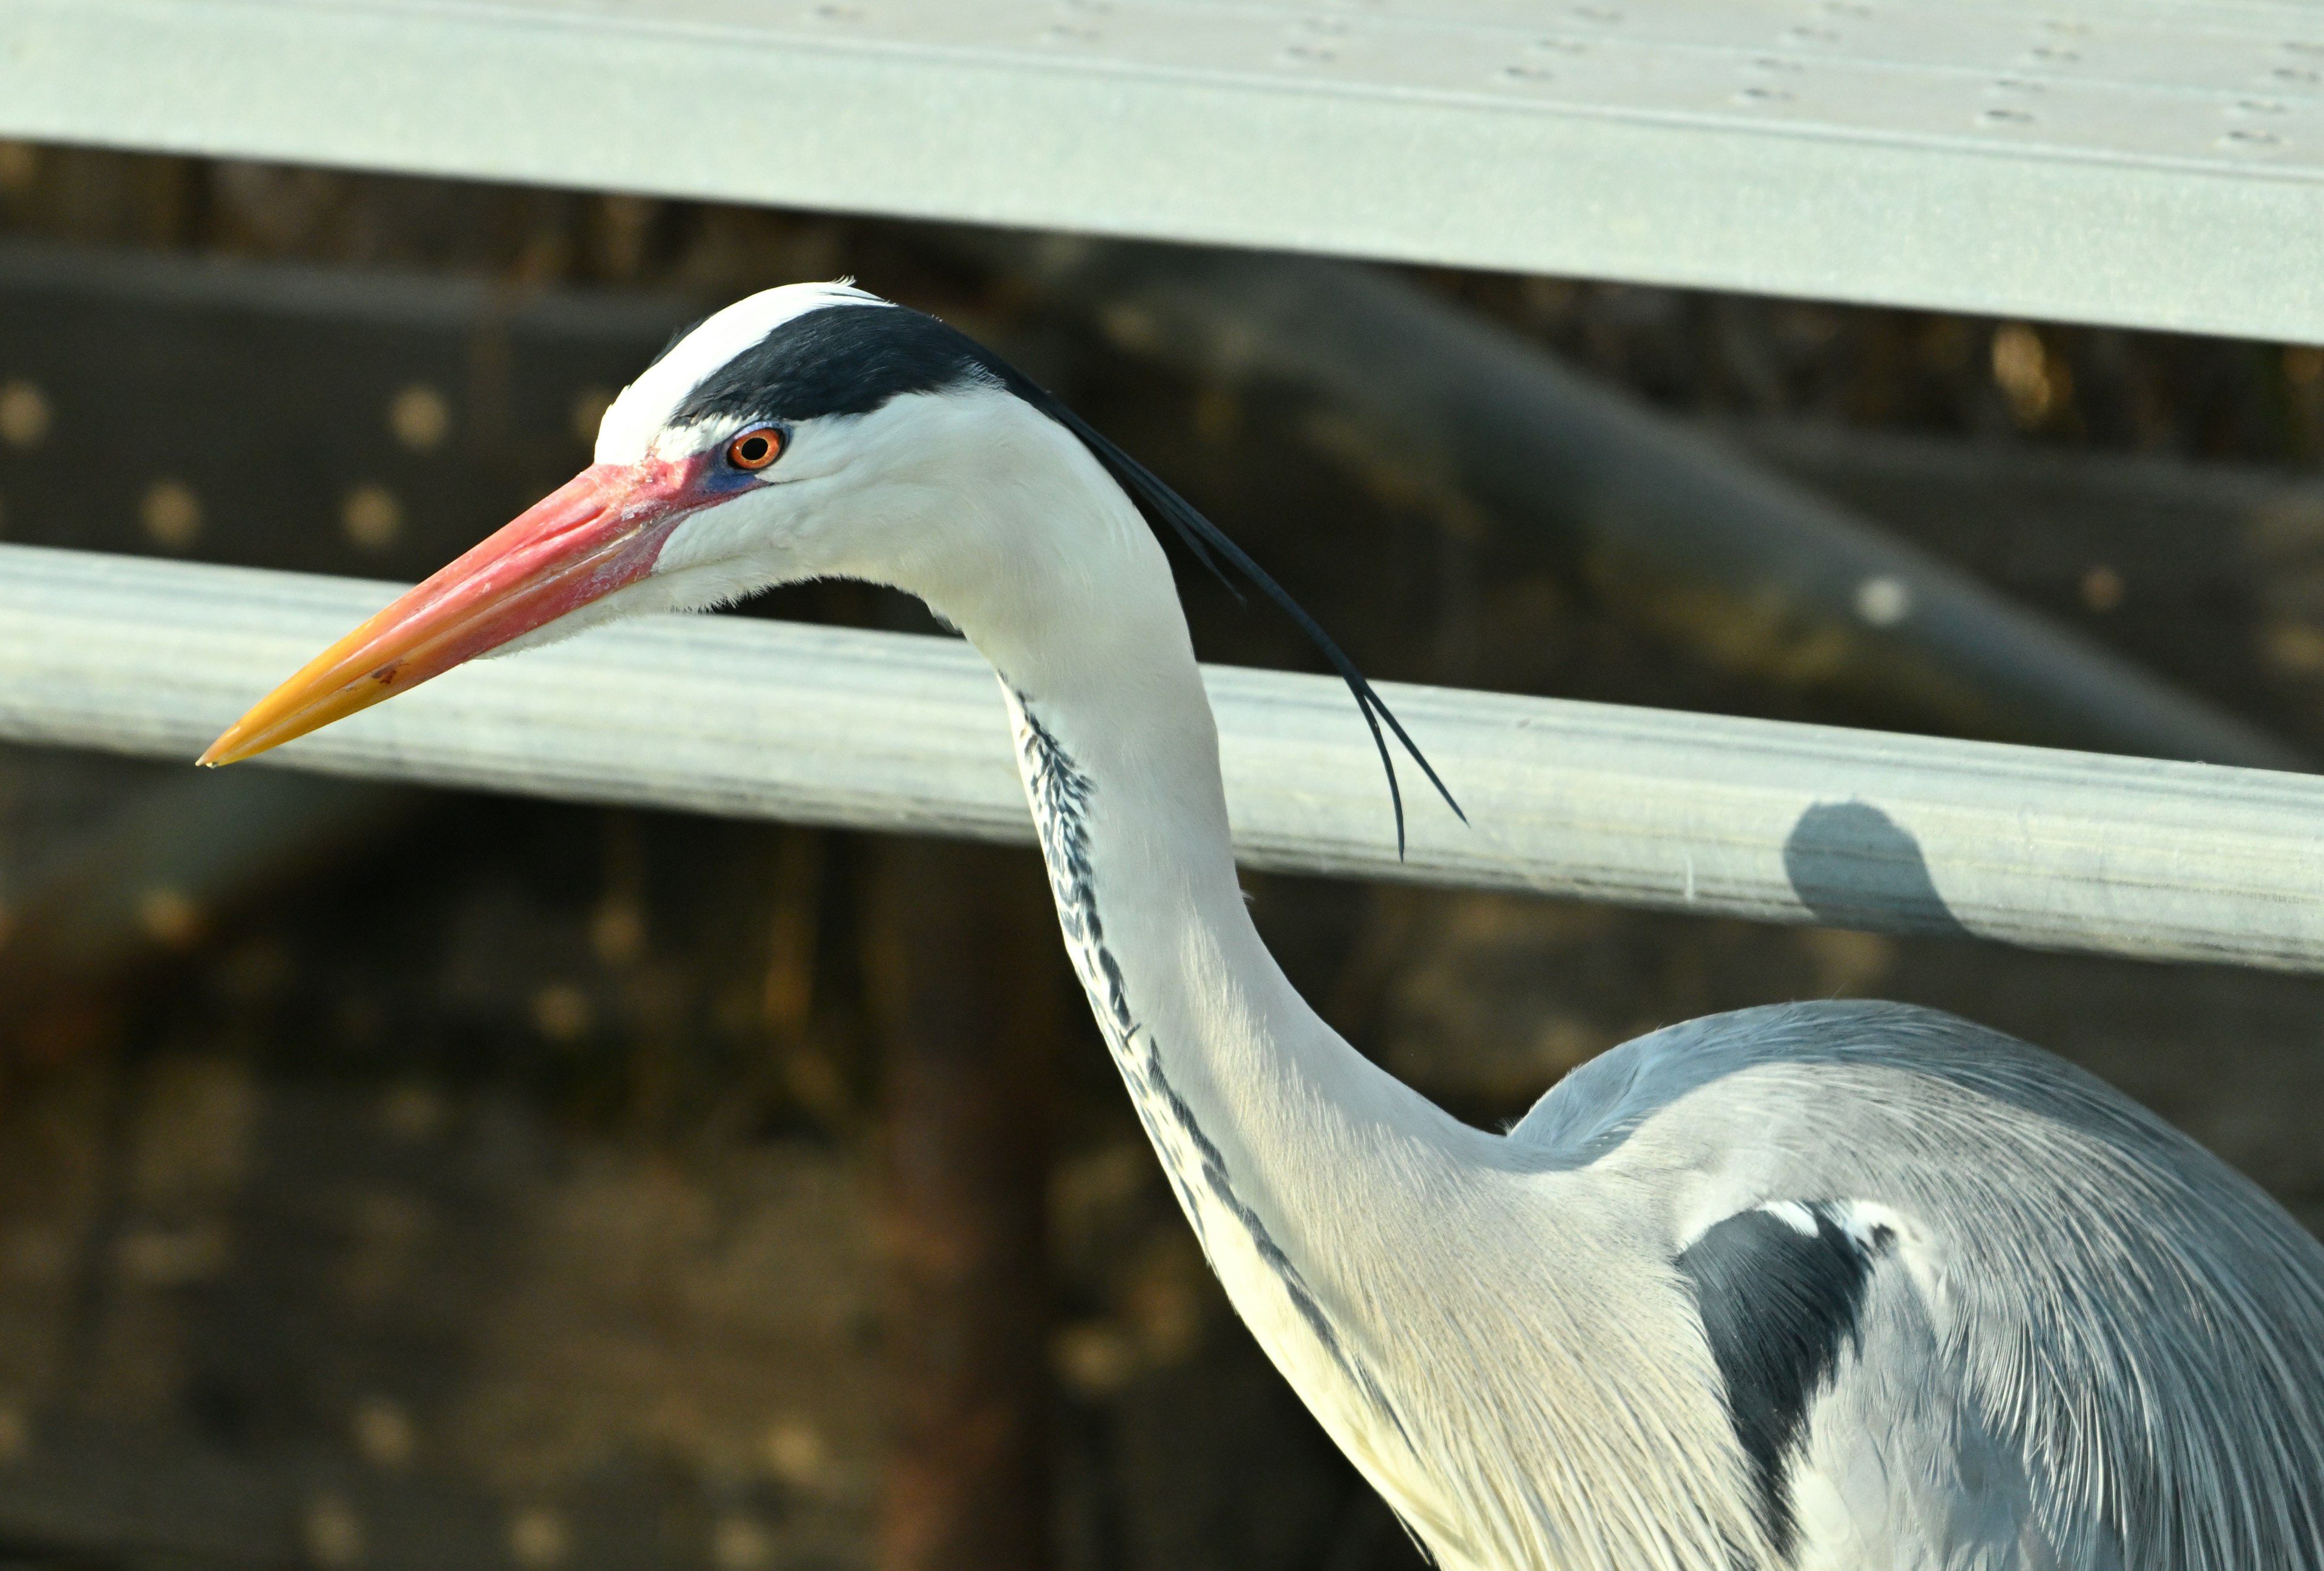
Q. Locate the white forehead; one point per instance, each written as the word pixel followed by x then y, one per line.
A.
pixel 639 414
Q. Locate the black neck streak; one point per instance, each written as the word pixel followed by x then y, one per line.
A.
pixel 1061 797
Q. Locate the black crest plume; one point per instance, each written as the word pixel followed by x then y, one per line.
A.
pixel 851 358
pixel 1209 543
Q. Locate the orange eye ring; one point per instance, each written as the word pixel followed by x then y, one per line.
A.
pixel 755 448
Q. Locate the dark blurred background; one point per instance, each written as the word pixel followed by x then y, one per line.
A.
pixel 409 1178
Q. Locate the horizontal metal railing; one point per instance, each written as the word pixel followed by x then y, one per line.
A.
pixel 1752 818
pixel 2138 164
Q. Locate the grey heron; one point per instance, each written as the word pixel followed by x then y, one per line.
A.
pixel 1831 1285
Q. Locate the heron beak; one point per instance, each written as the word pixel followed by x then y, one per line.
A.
pixel 599 530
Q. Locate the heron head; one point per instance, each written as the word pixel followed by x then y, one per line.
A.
pixel 813 430
pixel 809 432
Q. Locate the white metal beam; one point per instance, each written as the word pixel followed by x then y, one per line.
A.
pixel 2144 162
pixel 1690 812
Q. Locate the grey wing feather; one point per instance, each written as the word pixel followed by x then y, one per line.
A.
pixel 2136 1326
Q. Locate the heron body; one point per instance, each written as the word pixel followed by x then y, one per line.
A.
pixel 1834 1286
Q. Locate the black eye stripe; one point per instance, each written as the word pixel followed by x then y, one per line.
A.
pixel 836 359
pixel 852 359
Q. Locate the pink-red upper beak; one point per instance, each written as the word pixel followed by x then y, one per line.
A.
pixel 599 530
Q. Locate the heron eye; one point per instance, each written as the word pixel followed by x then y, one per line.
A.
pixel 755 449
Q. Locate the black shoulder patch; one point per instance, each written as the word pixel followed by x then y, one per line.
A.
pixel 1776 1303
pixel 839 359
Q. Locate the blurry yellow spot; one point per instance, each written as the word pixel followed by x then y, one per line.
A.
pixel 372 517
pixel 1166 1311
pixel 168 916
pixel 171 515
pixel 2296 647
pixel 20 166
pixel 536 1536
pixel 419 417
pixel 2102 588
pixel 384 1432
pixel 24 415
pixel 561 1013
pixel 739 1544
pixel 1847 962
pixel 2032 380
pixel 794 1451
pixel 1097 1358
pixel 617 931
pixel 15 1434
pixel 1884 602
pixel 1131 328
pixel 335 1536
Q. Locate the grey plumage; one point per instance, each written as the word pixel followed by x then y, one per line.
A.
pixel 2084 1299
pixel 1832 1286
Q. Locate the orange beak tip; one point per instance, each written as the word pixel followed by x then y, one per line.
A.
pixel 601 530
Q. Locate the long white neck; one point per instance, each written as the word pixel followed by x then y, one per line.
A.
pixel 1267 1122
pixel 1343 1213
pixel 1259 1109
